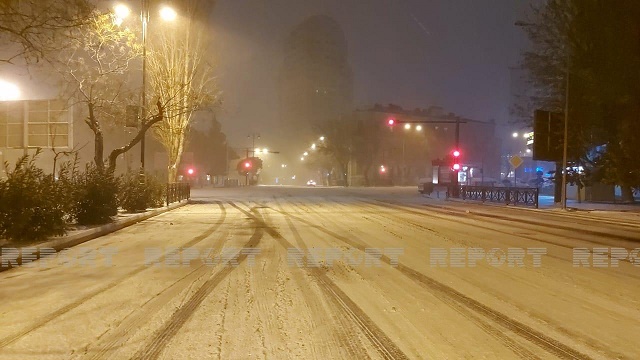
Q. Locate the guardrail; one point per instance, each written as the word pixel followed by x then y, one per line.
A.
pixel 178 192
pixel 507 195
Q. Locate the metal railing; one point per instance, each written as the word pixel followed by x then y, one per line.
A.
pixel 178 192
pixel 507 195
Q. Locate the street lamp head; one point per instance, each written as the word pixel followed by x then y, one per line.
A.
pixel 168 14
pixel 515 135
pixel 121 11
pixel 407 126
pixel 419 128
pixel 321 138
pixel 8 91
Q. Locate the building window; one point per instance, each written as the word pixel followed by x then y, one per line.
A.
pixel 46 123
pixel 11 124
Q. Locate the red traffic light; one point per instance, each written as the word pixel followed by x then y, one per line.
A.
pixel 247 164
pixel 190 171
pixel 456 166
pixel 456 153
pixel 391 122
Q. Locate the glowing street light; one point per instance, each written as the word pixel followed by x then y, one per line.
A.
pixel 168 14
pixel 8 91
pixel 419 128
pixel 305 153
pixel 407 126
pixel 302 158
pixel 122 12
pixel 321 138
pixel 313 146
pixel 515 135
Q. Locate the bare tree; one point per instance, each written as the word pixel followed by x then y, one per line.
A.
pixel 32 29
pixel 96 61
pixel 181 77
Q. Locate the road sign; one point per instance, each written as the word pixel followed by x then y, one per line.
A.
pixel 516 161
pixel 548 135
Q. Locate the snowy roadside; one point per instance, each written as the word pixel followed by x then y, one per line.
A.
pixel 81 235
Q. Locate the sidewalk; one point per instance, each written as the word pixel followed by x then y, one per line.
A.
pixel 546 202
pixel 76 237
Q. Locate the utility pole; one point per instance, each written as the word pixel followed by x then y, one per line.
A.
pixel 145 18
pixel 566 141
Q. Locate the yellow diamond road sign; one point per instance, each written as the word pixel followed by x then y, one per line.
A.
pixel 516 161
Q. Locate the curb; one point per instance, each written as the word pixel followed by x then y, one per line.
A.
pixel 90 234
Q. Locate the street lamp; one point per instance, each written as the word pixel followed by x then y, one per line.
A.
pixel 8 91
pixel 167 14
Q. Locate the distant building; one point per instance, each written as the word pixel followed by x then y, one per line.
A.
pixel 316 81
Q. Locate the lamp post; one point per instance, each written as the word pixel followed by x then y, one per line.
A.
pixel 167 14
pixel 145 18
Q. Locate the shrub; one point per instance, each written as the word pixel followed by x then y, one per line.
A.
pixel 135 195
pixel 29 203
pixel 95 196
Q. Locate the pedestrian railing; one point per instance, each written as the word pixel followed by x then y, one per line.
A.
pixel 507 195
pixel 178 192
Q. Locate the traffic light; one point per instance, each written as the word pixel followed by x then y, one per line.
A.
pixel 249 165
pixel 391 122
pixel 456 160
pixel 190 171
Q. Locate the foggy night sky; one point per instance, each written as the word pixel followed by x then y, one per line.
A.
pixel 414 53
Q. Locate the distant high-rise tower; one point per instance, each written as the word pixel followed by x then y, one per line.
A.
pixel 316 81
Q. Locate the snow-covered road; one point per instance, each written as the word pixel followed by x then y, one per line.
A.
pixel 332 273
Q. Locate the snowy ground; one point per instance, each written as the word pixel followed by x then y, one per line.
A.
pixel 311 293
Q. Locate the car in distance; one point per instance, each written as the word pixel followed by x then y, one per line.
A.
pixel 311 183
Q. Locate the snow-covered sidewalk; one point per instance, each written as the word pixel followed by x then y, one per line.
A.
pixel 83 234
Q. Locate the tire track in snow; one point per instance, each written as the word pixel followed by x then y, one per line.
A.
pixel 65 309
pixel 345 336
pixel 513 223
pixel 449 294
pixel 177 320
pixel 115 338
pixel 380 341
pixel 493 331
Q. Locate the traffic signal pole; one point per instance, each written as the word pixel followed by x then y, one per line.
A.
pixel 457 121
